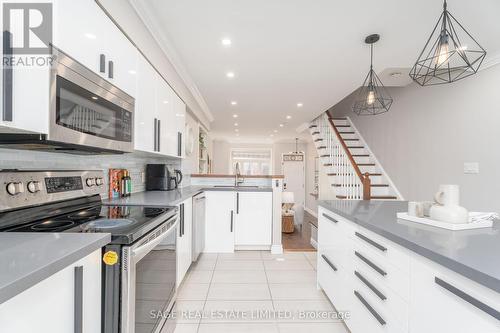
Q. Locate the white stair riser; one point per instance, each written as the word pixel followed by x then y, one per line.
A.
pixel 357 151
pixel 362 159
pixel 338 122
pixel 375 191
pixel 370 169
pixel 349 136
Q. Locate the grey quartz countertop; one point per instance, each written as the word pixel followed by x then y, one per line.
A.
pixel 174 197
pixel 27 258
pixel 471 253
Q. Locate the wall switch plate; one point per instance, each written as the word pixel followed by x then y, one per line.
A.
pixel 471 168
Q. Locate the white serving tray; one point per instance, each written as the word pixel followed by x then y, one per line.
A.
pixel 446 225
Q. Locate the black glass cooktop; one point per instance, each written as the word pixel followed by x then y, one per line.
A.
pixel 125 223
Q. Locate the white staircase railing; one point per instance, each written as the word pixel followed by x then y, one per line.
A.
pixel 348 178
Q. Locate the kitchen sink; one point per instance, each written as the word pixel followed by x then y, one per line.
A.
pixel 239 186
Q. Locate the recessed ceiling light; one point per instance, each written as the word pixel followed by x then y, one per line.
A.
pixel 275 131
pixel 234 103
pixel 236 130
pixel 235 115
pixel 230 75
pixel 281 125
pixel 288 117
pixel 132 72
pixel 226 42
pixel 237 134
pixel 299 105
pixel 271 135
pixel 90 36
pixel 94 97
pixel 235 124
pixel 165 102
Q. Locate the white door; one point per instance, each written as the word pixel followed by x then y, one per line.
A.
pixel 293 167
pixel 219 229
pixel 254 217
pixel 184 239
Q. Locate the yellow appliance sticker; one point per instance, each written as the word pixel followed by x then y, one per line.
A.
pixel 110 258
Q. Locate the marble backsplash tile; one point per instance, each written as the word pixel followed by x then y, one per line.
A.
pixel 35 160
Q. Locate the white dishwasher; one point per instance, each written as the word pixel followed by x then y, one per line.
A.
pixel 198 225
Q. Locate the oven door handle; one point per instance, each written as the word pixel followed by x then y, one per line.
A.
pixel 141 251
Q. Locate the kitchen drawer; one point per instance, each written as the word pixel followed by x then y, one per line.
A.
pixel 367 317
pixel 334 243
pixel 380 271
pixel 346 226
pixel 384 249
pixel 334 283
pixel 450 302
pixel 388 304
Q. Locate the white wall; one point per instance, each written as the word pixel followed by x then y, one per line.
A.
pixel 311 154
pixel 429 133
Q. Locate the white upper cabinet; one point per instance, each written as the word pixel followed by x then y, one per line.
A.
pixel 83 31
pixel 180 121
pixel 145 118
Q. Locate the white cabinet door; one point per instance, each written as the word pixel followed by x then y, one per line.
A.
pixel 145 107
pixel 49 306
pixel 254 217
pixel 438 301
pixel 88 42
pixel 184 239
pixel 165 106
pixel 180 121
pixel 219 230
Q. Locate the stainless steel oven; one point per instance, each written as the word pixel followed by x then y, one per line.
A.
pixel 87 110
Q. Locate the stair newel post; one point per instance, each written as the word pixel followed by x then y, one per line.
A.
pixel 366 186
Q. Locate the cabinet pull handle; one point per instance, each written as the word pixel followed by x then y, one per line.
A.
pixel 330 218
pixel 7 75
pixel 329 262
pixel 102 63
pixel 155 135
pixel 369 241
pixel 159 134
pixel 181 227
pixel 369 308
pixel 232 218
pixel 468 298
pixel 78 306
pixel 179 143
pixel 237 203
pixel 371 264
pixel 371 286
pixel 110 69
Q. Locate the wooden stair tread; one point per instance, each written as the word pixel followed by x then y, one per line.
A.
pixel 325 155
pixel 317 140
pixel 348 132
pixel 360 155
pixel 354 147
pixel 366 164
pixel 327 164
pixel 372 185
pixel 389 197
pixel 313 126
pixel 314 133
pixel 337 118
pixel 322 147
pixel 342 125
pixel 351 139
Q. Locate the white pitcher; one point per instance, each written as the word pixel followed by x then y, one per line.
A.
pixel 447 207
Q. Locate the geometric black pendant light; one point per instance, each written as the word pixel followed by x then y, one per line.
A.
pixel 372 98
pixel 450 54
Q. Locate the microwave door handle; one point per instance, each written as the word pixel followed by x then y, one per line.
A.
pixel 141 251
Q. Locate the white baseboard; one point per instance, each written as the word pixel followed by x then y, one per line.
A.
pixel 312 212
pixel 252 247
pixel 277 249
pixel 314 244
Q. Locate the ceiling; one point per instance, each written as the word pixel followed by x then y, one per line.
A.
pixel 299 51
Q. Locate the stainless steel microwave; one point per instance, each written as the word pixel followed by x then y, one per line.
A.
pixel 88 114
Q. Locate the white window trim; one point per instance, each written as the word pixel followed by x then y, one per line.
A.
pixel 249 149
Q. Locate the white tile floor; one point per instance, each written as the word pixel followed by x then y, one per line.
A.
pixel 253 291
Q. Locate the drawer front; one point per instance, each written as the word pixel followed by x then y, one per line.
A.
pixel 334 242
pixel 380 271
pixel 469 307
pixel 333 281
pixel 388 304
pixel 367 317
pixel 384 249
pixel 345 225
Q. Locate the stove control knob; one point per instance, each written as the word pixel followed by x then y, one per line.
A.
pixel 33 187
pixel 15 188
pixel 90 182
pixel 98 181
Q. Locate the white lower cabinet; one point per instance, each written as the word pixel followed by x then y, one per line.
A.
pixel 253 220
pixel 50 305
pixel 444 301
pixel 386 288
pixel 184 238
pixel 219 229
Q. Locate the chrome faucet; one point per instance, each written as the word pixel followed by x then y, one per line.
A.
pixel 238 180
